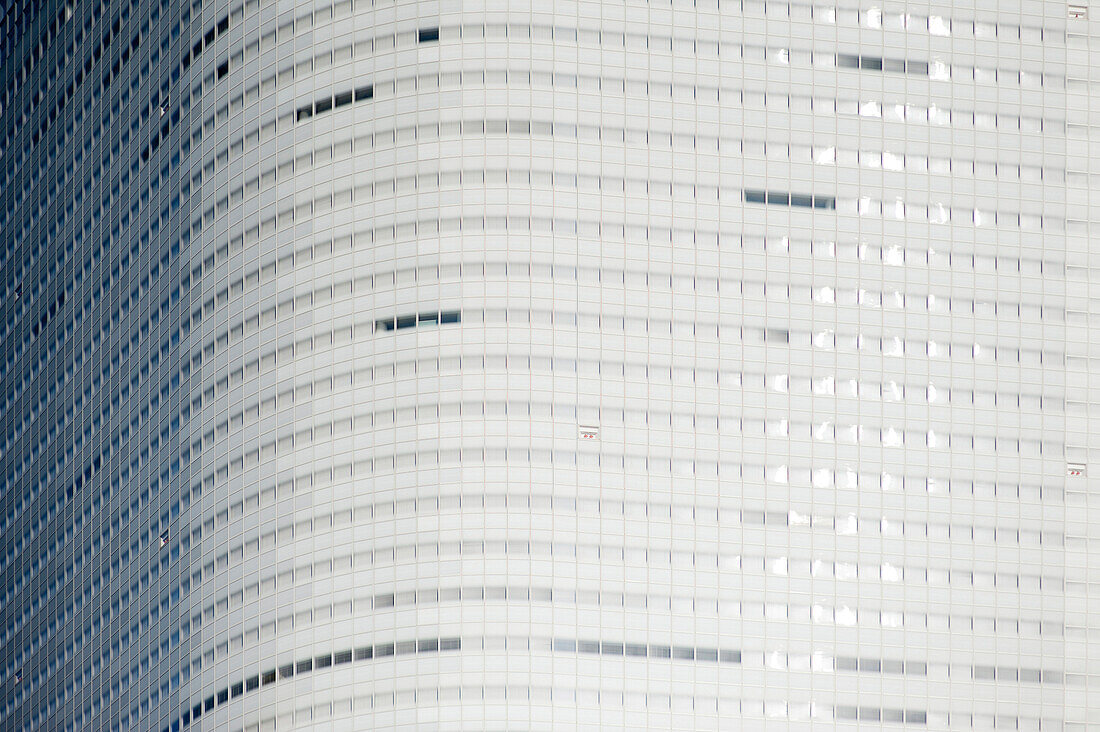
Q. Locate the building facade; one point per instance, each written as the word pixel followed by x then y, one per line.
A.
pixel 576 365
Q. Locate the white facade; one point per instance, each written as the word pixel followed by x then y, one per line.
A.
pixel 575 365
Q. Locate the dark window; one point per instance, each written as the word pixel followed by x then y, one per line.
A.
pixel 344 98
pixel 426 35
pixel 223 69
pixel 411 321
pixel 450 644
pixel 362 654
pixel 729 656
pixel 847 61
pixel 269 677
pixel 342 657
pixel 364 92
pixel 912 717
pixel 223 25
pixel 383 649
pixel 238 689
pixel 208 704
pixel 252 683
pixel 782 198
pixel 305 112
pixel 428 644
pixel 285 672
pixel 324 105
pixel 324 661
pixel 874 63
pixel 223 696
pixel 306 665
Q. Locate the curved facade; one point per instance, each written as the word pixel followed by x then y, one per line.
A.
pixel 425 365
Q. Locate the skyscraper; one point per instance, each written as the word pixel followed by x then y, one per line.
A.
pixel 580 365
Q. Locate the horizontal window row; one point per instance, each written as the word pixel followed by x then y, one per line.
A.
pixel 642 650
pixel 906 113
pixel 350 191
pixel 780 383
pixel 575 515
pixel 728 332
pixel 771 660
pixel 877 18
pixel 344 195
pixel 877 63
pixel 758 252
pixel 361 653
pixel 701 188
pixel 351 376
pixel 650 186
pixel 308 344
pixel 777 198
pixel 216 647
pixel 678 707
pixel 937 111
pixel 402 322
pixel 232 599
pixel 692 192
pixel 894 256
pixel 879 714
pixel 343 99
pixel 343 472
pixel 628 426
pixel 850 524
pixel 709 45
